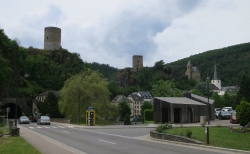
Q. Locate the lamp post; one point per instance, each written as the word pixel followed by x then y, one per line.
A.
pixel 208 105
pixel 25 75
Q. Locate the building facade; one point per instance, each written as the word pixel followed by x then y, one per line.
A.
pixel 52 38
pixel 137 62
pixel 192 72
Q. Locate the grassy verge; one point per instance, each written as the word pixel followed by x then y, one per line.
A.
pixel 218 136
pixel 16 145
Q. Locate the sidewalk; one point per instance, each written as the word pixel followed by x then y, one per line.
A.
pixel 43 144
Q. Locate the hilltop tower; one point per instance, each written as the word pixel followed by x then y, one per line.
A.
pixel 52 38
pixel 216 81
pixel 192 72
pixel 137 62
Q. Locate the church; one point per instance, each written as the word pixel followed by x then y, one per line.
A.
pixel 192 72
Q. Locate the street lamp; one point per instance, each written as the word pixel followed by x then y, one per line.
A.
pixel 208 105
pixel 79 106
pixel 25 75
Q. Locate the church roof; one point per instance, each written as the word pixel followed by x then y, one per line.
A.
pixel 195 69
pixel 215 74
pixel 189 63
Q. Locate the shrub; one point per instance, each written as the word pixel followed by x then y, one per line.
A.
pixel 148 114
pixel 188 133
pixel 127 118
pixel 243 112
pixel 162 127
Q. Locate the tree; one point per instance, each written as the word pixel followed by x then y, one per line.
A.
pixel 159 65
pixel 166 89
pixel 50 106
pixel 124 109
pixel 85 89
pixel 145 105
pixel 244 90
pixel 243 112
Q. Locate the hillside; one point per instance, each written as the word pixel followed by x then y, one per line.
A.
pixel 231 63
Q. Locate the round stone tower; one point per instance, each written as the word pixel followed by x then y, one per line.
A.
pixel 52 38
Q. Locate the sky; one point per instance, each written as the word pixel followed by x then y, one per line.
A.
pixel 112 31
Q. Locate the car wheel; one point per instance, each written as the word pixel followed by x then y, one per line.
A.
pixel 49 123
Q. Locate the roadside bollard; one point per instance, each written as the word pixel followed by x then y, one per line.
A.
pixel 207 134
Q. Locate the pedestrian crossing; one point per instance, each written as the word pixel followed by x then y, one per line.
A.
pixel 47 127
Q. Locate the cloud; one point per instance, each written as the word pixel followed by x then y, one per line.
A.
pixel 131 31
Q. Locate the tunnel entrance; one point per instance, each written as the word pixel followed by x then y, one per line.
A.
pixel 13 108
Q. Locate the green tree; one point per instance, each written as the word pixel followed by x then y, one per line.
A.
pixel 50 106
pixel 244 90
pixel 166 89
pixel 145 105
pixel 159 65
pixel 197 92
pixel 87 88
pixel 124 109
pixel 243 112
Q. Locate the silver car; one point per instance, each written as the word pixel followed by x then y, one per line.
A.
pixel 24 120
pixel 43 120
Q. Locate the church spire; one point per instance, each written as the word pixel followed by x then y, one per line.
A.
pixel 215 73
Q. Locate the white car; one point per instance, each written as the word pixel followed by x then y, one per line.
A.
pixel 43 120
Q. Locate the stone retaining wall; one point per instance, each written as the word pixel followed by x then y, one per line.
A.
pixel 170 137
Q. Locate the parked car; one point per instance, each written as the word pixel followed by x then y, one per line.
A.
pixel 136 119
pixel 217 109
pixel 43 120
pixel 35 117
pixel 224 115
pixel 217 114
pixel 233 119
pixel 24 120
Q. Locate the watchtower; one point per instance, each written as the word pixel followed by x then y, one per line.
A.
pixel 137 63
pixel 52 38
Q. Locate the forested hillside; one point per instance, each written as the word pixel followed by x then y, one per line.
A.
pixel 231 63
pixel 47 69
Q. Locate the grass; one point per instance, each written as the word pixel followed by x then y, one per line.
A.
pixel 16 145
pixel 218 136
pixel 148 122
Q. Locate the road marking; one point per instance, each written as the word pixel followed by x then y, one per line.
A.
pixel 39 127
pixel 107 142
pixel 60 126
pixel 31 127
pixel 46 127
pixel 53 127
pixel 65 131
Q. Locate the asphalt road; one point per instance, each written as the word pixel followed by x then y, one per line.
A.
pixel 113 141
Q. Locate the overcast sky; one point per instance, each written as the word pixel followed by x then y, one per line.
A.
pixel 112 31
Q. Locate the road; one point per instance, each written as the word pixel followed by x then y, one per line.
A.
pixel 113 141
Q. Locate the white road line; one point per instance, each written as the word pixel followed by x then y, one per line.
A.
pixel 46 127
pixel 107 142
pixel 65 131
pixel 60 126
pixel 53 127
pixel 39 127
pixel 31 127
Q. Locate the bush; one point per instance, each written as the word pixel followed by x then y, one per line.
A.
pixel 148 114
pixel 127 118
pixel 243 112
pixel 162 127
pixel 188 133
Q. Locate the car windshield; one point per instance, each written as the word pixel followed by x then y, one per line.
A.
pixel 44 117
pixel 224 112
pixel 24 117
